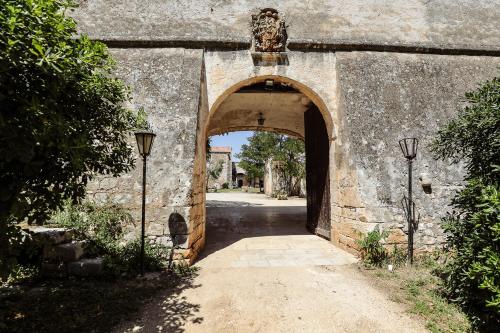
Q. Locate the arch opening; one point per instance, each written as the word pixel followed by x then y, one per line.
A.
pixel 287 107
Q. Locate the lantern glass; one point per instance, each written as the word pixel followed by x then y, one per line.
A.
pixel 144 142
pixel 409 147
pixel 261 119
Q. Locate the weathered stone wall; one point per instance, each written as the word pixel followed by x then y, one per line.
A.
pixel 383 98
pixel 470 24
pixel 369 100
pixel 167 84
pixel 226 174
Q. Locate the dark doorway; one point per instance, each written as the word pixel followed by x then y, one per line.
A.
pixel 317 173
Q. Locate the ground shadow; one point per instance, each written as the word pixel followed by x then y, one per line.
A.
pixel 97 305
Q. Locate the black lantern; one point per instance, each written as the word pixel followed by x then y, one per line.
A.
pixel 261 119
pixel 268 84
pixel 409 148
pixel 144 143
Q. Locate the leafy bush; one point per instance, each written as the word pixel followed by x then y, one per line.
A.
pixel 398 257
pixel 225 185
pixel 126 259
pixel 371 248
pixel 472 275
pixel 62 114
pixel 101 226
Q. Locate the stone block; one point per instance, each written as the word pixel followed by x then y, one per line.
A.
pixel 64 252
pixel 396 236
pixel 86 267
pixel 52 236
pixel 54 270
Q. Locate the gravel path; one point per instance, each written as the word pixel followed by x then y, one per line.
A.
pixel 262 271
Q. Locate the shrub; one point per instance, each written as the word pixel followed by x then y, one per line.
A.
pixel 398 256
pixel 225 185
pixel 471 277
pixel 371 247
pixel 62 111
pixel 126 259
pixel 101 226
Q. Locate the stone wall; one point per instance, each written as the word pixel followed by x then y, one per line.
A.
pixel 167 84
pixel 226 174
pixel 383 98
pixel 369 100
pixel 455 24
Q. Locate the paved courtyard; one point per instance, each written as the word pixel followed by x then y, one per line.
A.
pixel 261 271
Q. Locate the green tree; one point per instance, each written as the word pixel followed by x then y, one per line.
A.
pixel 472 276
pixel 62 118
pixel 262 146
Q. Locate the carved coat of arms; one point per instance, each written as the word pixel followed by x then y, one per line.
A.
pixel 269 31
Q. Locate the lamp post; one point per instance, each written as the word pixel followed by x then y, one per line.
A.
pixel 261 119
pixel 144 143
pixel 409 148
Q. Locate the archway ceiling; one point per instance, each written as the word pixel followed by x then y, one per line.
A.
pixel 283 112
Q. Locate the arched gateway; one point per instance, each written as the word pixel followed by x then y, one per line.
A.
pixel 368 84
pixel 287 107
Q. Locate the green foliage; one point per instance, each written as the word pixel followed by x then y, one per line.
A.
pixel 125 259
pixel 101 226
pixel 225 185
pixel 472 275
pixel 398 256
pixel 62 118
pixel 371 247
pixel 287 151
pixel 21 274
pixel 473 136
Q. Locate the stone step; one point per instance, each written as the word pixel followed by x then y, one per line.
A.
pixel 53 236
pixel 54 270
pixel 86 267
pixel 64 252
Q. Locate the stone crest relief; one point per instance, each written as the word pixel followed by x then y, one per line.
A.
pixel 269 31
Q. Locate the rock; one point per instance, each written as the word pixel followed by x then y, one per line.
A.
pixel 52 236
pixel 64 252
pixel 57 270
pixel 86 267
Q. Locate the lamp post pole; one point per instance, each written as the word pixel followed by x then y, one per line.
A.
pixel 144 143
pixel 410 211
pixel 409 148
pixel 143 221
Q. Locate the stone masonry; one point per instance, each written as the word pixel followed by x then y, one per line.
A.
pixel 222 156
pixel 377 72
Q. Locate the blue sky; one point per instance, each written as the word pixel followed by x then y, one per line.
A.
pixel 233 139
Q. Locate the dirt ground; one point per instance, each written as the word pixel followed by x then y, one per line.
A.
pixel 261 271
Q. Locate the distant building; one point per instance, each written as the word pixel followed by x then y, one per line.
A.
pixel 240 178
pixel 218 156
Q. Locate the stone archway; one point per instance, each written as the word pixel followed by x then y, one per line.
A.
pixel 289 107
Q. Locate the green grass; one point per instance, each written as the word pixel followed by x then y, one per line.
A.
pixel 418 290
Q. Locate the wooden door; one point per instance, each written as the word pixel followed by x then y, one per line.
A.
pixel 317 173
